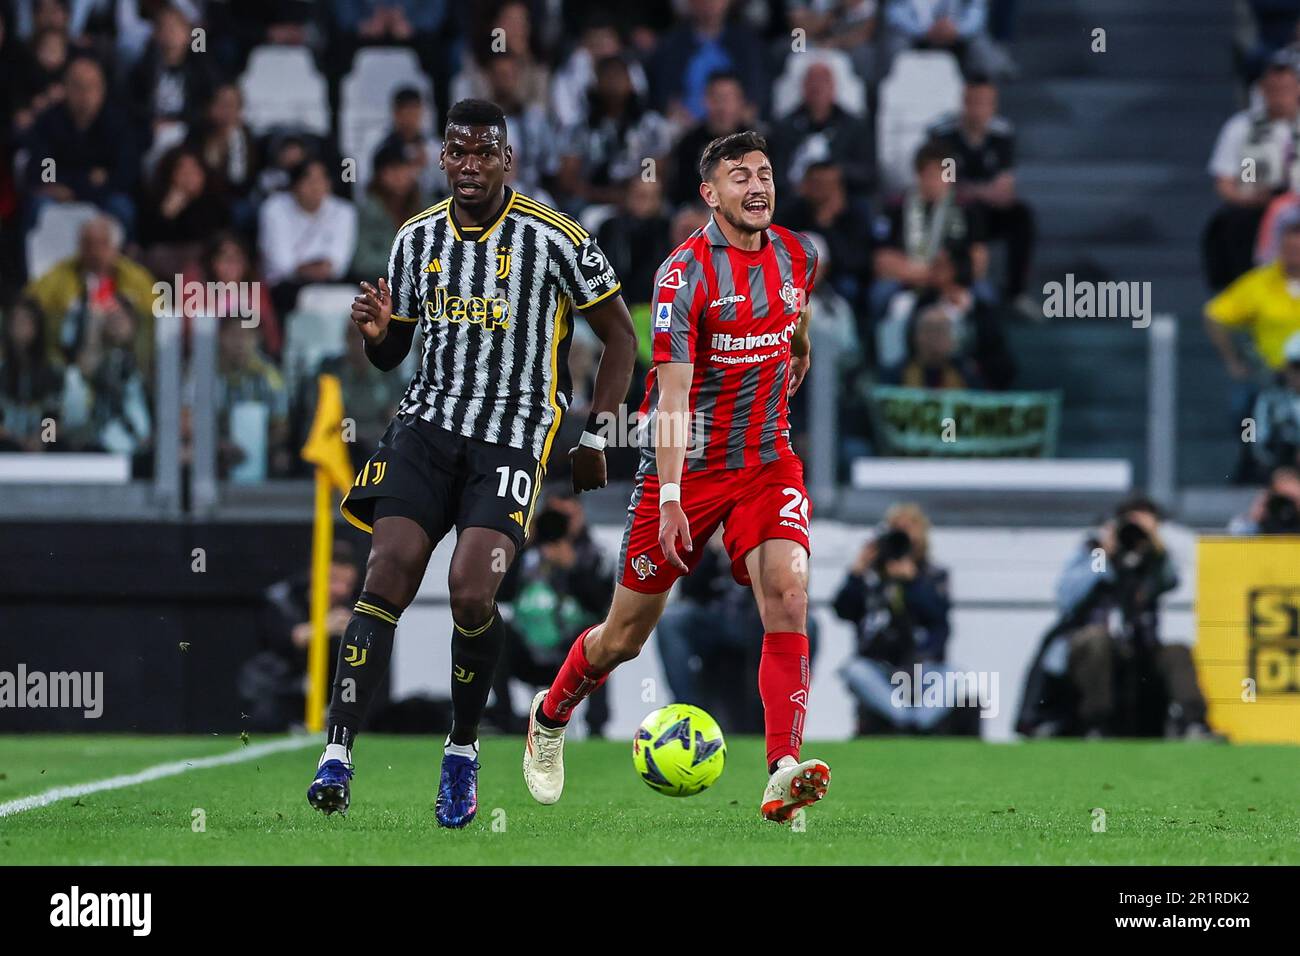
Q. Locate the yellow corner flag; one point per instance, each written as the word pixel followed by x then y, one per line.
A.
pixel 326 450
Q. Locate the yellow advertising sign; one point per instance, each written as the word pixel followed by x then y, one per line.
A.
pixel 1248 636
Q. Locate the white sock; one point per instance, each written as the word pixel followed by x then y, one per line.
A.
pixel 462 750
pixel 786 761
pixel 335 752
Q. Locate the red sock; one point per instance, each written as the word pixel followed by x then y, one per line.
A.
pixel 575 682
pixel 783 685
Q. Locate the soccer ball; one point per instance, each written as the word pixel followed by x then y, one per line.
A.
pixel 679 751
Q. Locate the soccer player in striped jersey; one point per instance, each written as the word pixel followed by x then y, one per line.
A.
pixel 490 280
pixel 730 325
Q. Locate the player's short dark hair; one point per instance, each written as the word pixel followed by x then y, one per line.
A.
pixel 406 96
pixel 476 113
pixel 930 152
pixel 732 146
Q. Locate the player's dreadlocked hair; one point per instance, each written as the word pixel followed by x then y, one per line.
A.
pixel 476 113
pixel 733 146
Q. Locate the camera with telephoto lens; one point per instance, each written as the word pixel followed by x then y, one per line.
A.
pixel 1281 515
pixel 892 545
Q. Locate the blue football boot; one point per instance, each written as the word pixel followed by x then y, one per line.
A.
pixel 331 791
pixel 457 791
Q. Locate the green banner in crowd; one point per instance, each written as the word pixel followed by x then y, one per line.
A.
pixel 964 423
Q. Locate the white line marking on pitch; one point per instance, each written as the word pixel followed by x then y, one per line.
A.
pixel 157 772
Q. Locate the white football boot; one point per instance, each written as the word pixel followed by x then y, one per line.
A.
pixel 543 757
pixel 793 787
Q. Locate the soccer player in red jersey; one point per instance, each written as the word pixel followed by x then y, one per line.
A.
pixel 730 324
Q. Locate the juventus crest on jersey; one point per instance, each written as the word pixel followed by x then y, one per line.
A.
pixel 494 312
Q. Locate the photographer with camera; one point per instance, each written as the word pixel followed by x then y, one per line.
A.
pixel 1276 509
pixel 1103 669
pixel 898 603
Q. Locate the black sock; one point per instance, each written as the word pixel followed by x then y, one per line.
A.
pixel 364 655
pixel 474 655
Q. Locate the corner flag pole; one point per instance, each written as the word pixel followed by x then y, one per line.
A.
pixel 322 544
pixel 324 449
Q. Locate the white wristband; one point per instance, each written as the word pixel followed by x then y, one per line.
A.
pixel 597 442
pixel 669 491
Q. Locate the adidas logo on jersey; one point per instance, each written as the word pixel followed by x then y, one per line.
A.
pixel 518 518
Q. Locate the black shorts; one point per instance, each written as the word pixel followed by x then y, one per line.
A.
pixel 444 480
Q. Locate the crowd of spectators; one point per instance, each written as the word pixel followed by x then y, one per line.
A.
pixel 135 110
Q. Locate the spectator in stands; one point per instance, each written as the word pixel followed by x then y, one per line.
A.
pixel 573 80
pixel 512 21
pixel 727 111
pixel 370 396
pixel 934 357
pixel 180 213
pixel 848 25
pixel 910 233
pixel 1277 415
pixel 560 585
pixel 983 145
pixel 898 603
pixel 76 292
pixel 228 263
pixel 1276 509
pixel 408 134
pixel 613 143
pixel 392 197
pixel 306 234
pixel 976 324
pixel 532 136
pixel 246 376
pixel 229 150
pixel 1265 304
pixel 702 44
pixel 271 683
pixel 954 25
pixel 82 149
pixel 823 205
pixel 105 393
pixel 38 77
pixel 30 383
pixel 1104 669
pixel 822 131
pixel 1253 161
pixel 635 240
pixel 171 85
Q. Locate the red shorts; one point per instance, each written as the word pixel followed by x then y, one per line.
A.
pixel 753 504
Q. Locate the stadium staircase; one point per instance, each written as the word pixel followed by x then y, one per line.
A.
pixel 1112 154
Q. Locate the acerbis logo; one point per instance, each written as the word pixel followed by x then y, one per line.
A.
pixel 74 909
pixel 726 300
pixel 800 697
pixel 674 278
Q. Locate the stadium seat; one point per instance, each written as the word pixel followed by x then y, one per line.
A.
pixel 921 86
pixel 365 98
pixel 54 237
pixel 315 329
pixel 850 91
pixel 283 88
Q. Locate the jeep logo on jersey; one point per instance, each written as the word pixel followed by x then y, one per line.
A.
pixel 491 312
pixel 674 278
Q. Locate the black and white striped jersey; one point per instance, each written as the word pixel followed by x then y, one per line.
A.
pixel 493 306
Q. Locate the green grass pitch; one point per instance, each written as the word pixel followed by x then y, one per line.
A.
pixel 891 801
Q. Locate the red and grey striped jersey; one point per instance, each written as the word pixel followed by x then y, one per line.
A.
pixel 732 314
